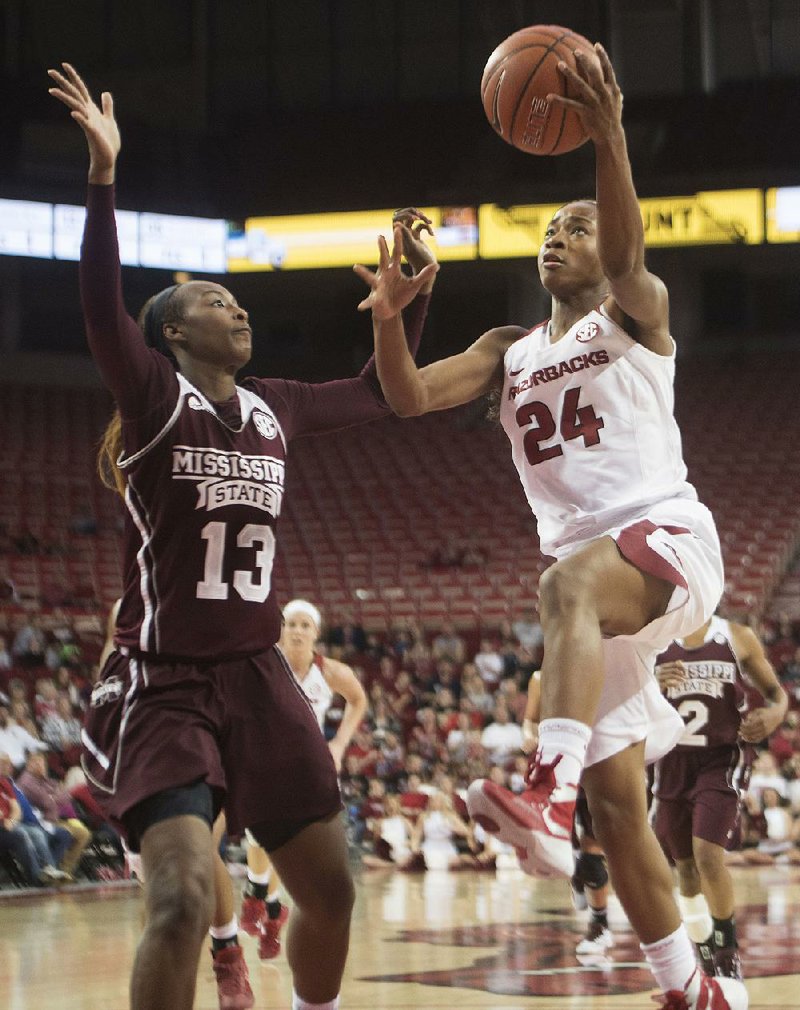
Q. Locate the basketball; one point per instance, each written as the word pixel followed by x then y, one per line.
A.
pixel 518 77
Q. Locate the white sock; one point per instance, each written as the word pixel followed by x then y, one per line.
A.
pixel 300 1004
pixel 259 878
pixel 696 917
pixel 226 932
pixel 672 960
pixel 566 737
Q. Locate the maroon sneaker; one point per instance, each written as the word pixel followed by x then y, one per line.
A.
pixel 233 980
pixel 727 963
pixel 253 911
pixel 269 945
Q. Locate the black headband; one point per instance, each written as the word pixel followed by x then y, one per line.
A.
pixel 153 322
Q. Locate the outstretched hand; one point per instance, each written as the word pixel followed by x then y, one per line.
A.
pixel 597 96
pixel 413 222
pixel 97 123
pixel 390 289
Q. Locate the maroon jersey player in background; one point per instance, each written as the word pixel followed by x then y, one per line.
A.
pixel 195 708
pixel 696 787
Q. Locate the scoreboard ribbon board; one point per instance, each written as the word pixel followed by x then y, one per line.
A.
pixel 720 217
pixel 316 241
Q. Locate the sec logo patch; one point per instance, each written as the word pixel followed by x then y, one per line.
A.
pixel 587 332
pixel 265 423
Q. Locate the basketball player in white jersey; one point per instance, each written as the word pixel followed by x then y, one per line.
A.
pixel 320 678
pixel 587 404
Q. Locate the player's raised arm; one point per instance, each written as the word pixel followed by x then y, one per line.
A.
pixel 760 722
pixel 640 295
pixel 97 122
pixel 409 390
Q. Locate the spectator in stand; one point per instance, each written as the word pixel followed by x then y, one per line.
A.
pixel 784 643
pixel 55 805
pixel 790 678
pixel 61 730
pixel 6 661
pixel 50 847
pixel 389 765
pixel 425 739
pixel 9 594
pixel 785 741
pixel 781 831
pixel 391 836
pixel 16 741
pixel 529 633
pixel 17 691
pixel 382 719
pixel 502 738
pixel 448 644
pixel 457 742
pixel 14 842
pixel 67 681
pixel 449 555
pixel 489 664
pixel 515 700
pixel 435 834
pixel 791 771
pixel 347 639
pixel 474 556
pixel 44 702
pixel 21 715
pixel 766 775
pixel 30 644
pixel 474 689
pixel 362 753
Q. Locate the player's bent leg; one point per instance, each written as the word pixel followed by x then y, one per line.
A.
pixel 315 869
pixel 639 871
pixel 642 880
pixel 179 902
pixel 717 885
pixel 230 968
pixel 592 592
pixel 254 900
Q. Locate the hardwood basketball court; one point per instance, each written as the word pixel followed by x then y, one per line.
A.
pixel 440 940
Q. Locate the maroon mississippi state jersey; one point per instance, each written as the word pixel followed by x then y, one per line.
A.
pixel 205 480
pixel 712 699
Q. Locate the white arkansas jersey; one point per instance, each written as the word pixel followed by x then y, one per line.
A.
pixel 317 689
pixel 590 420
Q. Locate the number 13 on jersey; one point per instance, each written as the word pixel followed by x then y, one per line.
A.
pixel 252 535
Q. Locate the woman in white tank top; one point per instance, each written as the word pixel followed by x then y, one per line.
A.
pixel 586 400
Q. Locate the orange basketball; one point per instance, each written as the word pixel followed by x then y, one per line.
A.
pixel 519 75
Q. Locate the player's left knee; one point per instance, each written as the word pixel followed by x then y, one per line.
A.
pixel 592 870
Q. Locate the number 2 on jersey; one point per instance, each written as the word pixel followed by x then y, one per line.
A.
pixel 575 422
pixel 695 715
pixel 252 535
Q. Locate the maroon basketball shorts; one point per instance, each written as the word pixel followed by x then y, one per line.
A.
pixel 695 798
pixel 243 726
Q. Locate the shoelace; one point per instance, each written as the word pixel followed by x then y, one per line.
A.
pixel 539 772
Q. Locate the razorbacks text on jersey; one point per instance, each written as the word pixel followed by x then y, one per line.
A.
pixel 713 697
pixel 590 421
